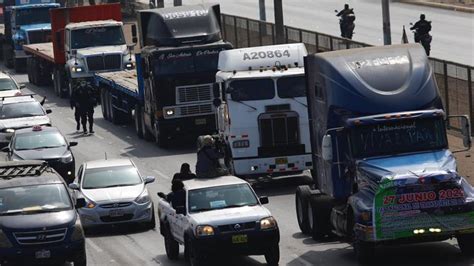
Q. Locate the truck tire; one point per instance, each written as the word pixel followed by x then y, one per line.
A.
pixel 138 121
pixel 7 55
pixel 29 69
pixel 57 81
pixel 103 103
pixel 302 196
pixel 363 251
pixel 321 206
pixel 272 256
pixel 466 244
pixel 171 245
pixel 161 137
pixel 146 133
pixel 17 65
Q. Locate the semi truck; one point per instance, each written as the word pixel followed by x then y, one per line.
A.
pixel 171 92
pixel 26 22
pixel 384 172
pixel 85 40
pixel 263 118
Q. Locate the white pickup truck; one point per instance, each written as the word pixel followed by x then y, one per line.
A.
pixel 221 216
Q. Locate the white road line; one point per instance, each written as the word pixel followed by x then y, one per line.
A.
pixel 161 174
pixel 303 261
pixel 93 245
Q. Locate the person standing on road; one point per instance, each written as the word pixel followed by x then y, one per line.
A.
pixel 184 174
pixel 84 97
pixel 77 111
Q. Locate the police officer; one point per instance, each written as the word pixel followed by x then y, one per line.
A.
pixel 77 112
pixel 84 97
pixel 421 27
pixel 344 14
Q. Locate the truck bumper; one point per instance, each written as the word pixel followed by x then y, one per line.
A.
pixel 188 126
pixel 272 166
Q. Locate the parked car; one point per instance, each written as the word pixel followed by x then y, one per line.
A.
pixel 115 193
pixel 38 219
pixel 43 143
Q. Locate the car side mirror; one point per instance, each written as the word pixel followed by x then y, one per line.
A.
pixel 72 143
pixel 327 148
pixel 161 195
pixel 134 33
pixel 80 203
pixel 6 149
pixel 180 210
pixel 263 200
pixel 74 186
pixel 22 86
pixel 149 179
pixel 49 111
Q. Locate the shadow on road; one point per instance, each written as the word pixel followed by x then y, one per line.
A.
pixel 280 186
pixel 115 230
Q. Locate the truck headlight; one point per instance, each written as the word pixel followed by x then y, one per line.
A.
pixel 204 230
pixel 169 112
pixel 240 144
pixel 77 69
pixel 268 223
pixel 78 231
pixel 130 65
pixel 67 159
pixel 143 198
pixel 4 242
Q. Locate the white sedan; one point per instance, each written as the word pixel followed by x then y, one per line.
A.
pixel 115 193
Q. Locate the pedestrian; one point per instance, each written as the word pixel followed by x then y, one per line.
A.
pixel 208 165
pixel 77 113
pixel 184 174
pixel 85 100
pixel 421 28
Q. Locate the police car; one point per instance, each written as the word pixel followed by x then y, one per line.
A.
pixel 221 216
pixel 20 112
pixel 8 85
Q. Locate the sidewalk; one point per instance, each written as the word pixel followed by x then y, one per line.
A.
pixel 467 6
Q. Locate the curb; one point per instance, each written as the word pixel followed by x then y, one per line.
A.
pixel 439 5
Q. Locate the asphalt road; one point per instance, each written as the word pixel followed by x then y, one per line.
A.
pixel 130 245
pixel 453 31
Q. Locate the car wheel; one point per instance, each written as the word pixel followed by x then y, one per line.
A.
pixel 171 246
pixel 272 256
pixel 466 244
pixel 152 223
pixel 303 194
pixel 80 259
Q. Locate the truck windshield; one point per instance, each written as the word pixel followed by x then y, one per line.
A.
pixel 291 87
pixel 34 199
pixel 251 90
pixel 393 137
pixel 222 197
pixel 32 16
pixel 97 36
pixel 186 61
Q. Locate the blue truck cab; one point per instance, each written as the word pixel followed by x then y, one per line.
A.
pixel 26 22
pixel 383 173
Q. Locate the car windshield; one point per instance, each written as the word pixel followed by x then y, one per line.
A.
pixel 98 36
pixel 34 199
pixel 23 109
pixel 408 135
pixel 7 85
pixel 39 140
pixel 32 16
pixel 290 87
pixel 106 177
pixel 221 197
pixel 251 90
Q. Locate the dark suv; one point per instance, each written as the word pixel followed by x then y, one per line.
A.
pixel 38 218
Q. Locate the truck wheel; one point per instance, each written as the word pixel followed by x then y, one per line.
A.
pixel 321 206
pixel 103 103
pixel 138 121
pixel 146 133
pixel 152 223
pixel 7 55
pixel 466 244
pixel 30 69
pixel 171 246
pixel 272 256
pixel 363 251
pixel 302 196
pixel 17 65
pixel 161 137
pixel 80 259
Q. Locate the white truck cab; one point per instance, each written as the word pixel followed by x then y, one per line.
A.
pixel 220 216
pixel 263 118
pixel 96 46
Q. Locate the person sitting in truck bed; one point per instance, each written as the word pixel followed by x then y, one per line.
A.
pixel 208 165
pixel 184 174
pixel 177 197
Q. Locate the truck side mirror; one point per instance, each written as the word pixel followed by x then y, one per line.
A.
pixel 327 148
pixel 465 127
pixel 134 33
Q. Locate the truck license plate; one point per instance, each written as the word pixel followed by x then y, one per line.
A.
pixel 116 213
pixel 239 239
pixel 200 121
pixel 43 254
pixel 281 161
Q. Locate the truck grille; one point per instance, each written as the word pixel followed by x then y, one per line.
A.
pixel 40 237
pixel 196 109
pixel 279 129
pixel 194 93
pixel 104 62
pixel 39 36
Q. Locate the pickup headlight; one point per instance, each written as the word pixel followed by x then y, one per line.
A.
pixel 77 69
pixel 143 198
pixel 268 223
pixel 169 112
pixel 204 230
pixel 67 159
pixel 78 232
pixel 4 242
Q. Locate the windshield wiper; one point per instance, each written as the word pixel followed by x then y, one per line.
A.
pixel 294 99
pixel 238 205
pixel 16 212
pixel 248 105
pixel 46 147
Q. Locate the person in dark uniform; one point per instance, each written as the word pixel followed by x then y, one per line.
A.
pixel 177 197
pixel 184 174
pixel 77 113
pixel 84 99
pixel 421 28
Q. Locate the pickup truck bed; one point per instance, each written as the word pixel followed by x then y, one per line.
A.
pixel 123 81
pixel 43 50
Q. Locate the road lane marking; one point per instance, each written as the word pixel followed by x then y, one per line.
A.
pixel 303 261
pixel 93 245
pixel 161 174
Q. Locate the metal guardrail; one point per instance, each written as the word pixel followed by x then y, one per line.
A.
pixel 455 81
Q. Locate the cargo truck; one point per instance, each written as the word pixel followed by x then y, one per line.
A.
pixel 384 173
pixel 85 40
pixel 26 22
pixel 171 92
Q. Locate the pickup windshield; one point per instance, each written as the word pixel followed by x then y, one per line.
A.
pixel 34 199
pixel 97 36
pixel 251 90
pixel 32 16
pixel 394 137
pixel 221 197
